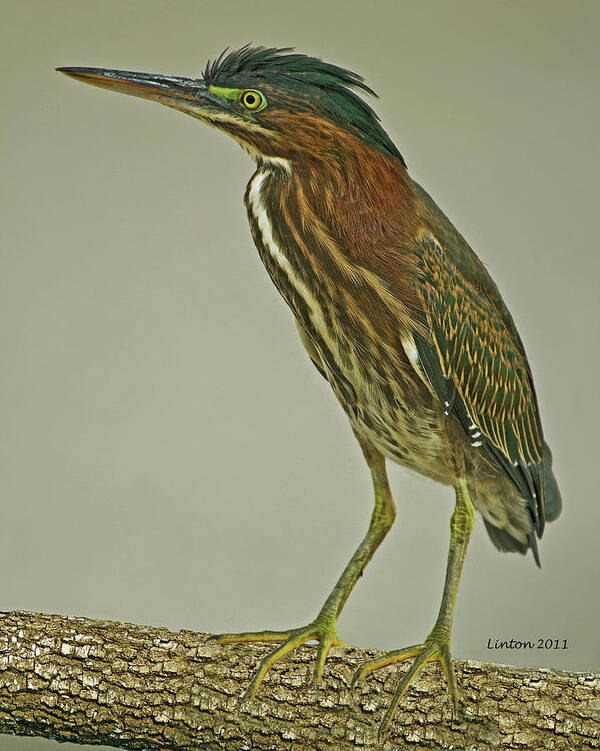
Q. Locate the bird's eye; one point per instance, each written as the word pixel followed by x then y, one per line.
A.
pixel 253 100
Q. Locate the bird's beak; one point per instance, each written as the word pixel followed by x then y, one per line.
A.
pixel 186 94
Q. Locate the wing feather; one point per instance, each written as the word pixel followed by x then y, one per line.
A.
pixel 477 366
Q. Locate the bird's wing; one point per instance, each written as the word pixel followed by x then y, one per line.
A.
pixel 476 365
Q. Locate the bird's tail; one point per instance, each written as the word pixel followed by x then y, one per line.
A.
pixel 508 542
pixel 552 499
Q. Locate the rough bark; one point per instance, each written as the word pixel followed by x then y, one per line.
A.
pixel 119 684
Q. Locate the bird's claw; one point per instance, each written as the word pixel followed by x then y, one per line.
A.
pixel 434 649
pixel 324 633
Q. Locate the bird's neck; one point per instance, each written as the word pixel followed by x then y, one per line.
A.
pixel 361 197
pixel 331 233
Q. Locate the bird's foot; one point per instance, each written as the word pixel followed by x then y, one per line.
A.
pixel 318 630
pixel 436 648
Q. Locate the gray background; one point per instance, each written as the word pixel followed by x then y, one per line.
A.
pixel 168 453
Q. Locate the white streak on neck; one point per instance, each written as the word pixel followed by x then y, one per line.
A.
pixel 260 214
pixel 277 161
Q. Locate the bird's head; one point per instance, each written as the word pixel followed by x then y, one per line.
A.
pixel 277 104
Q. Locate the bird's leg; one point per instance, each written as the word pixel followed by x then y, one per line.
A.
pixel 323 627
pixel 436 647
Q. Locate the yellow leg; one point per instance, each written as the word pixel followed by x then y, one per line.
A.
pixel 323 627
pixel 436 647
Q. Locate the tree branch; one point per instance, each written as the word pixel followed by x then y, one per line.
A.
pixel 89 681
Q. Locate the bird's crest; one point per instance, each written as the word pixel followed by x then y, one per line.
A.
pixel 306 77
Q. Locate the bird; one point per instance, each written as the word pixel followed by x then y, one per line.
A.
pixel 392 306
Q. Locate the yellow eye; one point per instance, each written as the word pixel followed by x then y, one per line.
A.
pixel 253 100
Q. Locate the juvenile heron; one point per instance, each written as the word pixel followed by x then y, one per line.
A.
pixel 393 307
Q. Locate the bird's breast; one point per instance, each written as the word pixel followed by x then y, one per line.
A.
pixel 370 375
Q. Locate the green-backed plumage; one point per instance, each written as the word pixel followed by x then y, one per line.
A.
pixel 477 363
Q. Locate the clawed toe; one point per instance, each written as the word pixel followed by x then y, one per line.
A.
pixel 290 640
pixel 432 650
